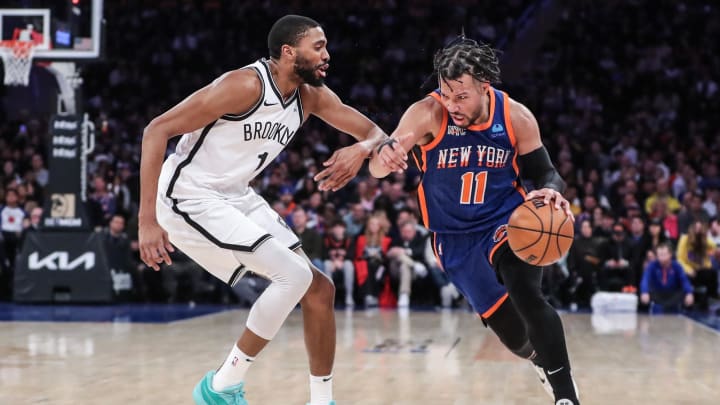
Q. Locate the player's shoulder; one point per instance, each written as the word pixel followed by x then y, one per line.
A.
pixel 315 93
pixel 518 110
pixel 520 115
pixel 429 111
pixel 244 79
pixel 428 105
pixel 315 98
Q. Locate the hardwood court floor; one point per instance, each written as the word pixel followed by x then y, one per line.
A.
pixel 383 358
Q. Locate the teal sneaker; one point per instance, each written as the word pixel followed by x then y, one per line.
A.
pixel 331 403
pixel 203 394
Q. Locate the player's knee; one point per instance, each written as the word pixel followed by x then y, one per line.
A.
pixel 321 292
pixel 524 350
pixel 301 275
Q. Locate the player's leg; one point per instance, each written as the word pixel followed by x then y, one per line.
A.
pixel 225 242
pixel 544 327
pixel 510 328
pixel 319 326
pixel 317 305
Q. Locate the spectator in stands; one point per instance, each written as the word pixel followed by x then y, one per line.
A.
pixel 662 193
pixel 407 260
pixel 370 253
pixel 126 281
pixel 337 263
pixel 11 224
pixel 604 226
pixel 38 168
pixel 640 245
pixel 355 219
pixel 31 224
pixel 617 274
pixel 584 264
pixel 692 210
pixel 102 203
pixel 311 239
pixel 695 252
pixel 668 219
pixel 665 283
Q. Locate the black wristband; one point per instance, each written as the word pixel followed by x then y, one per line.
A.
pixel 387 142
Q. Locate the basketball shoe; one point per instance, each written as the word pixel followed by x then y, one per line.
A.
pixel 543 380
pixel 548 388
pixel 203 394
pixel 331 403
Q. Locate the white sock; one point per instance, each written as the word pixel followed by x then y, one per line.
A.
pixel 233 370
pixel 320 390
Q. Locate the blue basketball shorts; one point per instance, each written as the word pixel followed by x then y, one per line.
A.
pixel 466 259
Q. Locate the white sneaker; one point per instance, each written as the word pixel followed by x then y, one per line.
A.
pixel 349 301
pixel 564 402
pixel 370 301
pixel 403 301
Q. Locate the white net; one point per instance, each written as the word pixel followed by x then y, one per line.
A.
pixel 17 59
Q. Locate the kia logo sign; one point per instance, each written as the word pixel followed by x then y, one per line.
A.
pixel 61 261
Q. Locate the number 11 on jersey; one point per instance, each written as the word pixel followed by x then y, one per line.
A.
pixel 480 180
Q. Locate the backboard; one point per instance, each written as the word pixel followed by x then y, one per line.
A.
pixel 61 29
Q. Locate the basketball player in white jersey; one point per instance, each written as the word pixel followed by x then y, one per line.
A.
pixel 199 199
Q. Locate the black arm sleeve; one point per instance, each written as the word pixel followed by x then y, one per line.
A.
pixel 536 168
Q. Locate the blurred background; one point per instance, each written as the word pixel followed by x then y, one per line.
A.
pixel 625 92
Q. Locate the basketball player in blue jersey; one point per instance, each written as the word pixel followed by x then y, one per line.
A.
pixel 477 148
pixel 200 201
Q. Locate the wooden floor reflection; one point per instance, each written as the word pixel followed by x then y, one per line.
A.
pixel 383 358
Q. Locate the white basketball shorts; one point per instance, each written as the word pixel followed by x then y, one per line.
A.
pixel 209 230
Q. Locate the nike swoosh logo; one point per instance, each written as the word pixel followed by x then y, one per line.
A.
pixel 554 371
pixel 248 360
pixel 269 104
pixel 327 379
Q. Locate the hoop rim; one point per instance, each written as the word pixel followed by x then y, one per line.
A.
pixel 22 48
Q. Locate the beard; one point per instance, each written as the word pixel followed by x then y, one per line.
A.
pixel 307 72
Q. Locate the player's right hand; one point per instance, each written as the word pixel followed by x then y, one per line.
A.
pixel 392 155
pixel 154 245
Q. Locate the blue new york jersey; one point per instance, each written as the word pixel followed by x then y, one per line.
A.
pixel 470 175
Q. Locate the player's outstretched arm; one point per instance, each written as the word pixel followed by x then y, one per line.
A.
pixel 534 160
pixel 344 163
pixel 417 126
pixel 234 92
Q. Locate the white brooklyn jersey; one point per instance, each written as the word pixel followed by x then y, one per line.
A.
pixel 219 161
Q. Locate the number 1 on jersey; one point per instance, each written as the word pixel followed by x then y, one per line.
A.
pixel 467 187
pixel 262 158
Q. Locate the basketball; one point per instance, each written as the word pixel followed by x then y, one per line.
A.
pixel 538 233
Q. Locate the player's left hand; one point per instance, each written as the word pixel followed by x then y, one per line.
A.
pixel 341 167
pixel 549 195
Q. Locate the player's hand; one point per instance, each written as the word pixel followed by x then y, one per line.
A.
pixel 689 300
pixel 392 156
pixel 645 298
pixel 342 166
pixel 549 195
pixel 154 245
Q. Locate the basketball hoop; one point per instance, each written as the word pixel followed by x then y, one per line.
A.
pixel 17 57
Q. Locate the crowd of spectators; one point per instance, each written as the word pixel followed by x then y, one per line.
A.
pixel 627 109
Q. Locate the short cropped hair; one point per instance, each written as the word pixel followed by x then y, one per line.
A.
pixel 288 30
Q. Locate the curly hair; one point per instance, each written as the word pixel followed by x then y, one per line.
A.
pixel 464 55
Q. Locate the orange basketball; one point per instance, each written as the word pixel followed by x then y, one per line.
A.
pixel 538 233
